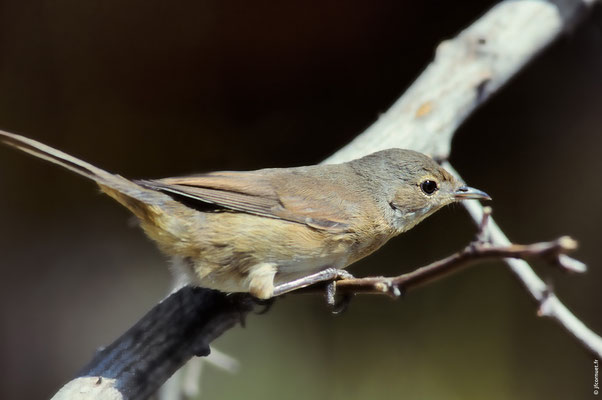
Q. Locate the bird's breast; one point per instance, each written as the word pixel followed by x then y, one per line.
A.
pixel 233 243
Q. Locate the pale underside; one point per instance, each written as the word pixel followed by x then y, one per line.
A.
pixel 256 237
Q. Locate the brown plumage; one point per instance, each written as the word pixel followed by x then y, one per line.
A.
pixel 249 231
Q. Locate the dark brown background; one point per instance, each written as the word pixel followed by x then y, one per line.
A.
pixel 152 89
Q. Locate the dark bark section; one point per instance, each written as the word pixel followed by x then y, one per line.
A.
pixel 178 328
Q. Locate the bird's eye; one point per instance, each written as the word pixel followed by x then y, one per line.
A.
pixel 429 187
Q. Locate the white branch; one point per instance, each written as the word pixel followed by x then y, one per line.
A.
pixel 466 71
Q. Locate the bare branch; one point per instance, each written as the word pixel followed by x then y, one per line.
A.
pixel 137 363
pixel 476 251
pixel 466 71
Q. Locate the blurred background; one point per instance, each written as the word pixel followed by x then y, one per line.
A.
pixel 153 89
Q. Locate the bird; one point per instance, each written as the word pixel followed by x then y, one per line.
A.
pixel 258 231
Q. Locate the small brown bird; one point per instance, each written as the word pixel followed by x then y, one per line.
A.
pixel 281 227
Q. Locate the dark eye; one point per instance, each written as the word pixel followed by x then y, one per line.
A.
pixel 429 187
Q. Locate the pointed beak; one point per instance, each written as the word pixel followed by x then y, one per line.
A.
pixel 467 193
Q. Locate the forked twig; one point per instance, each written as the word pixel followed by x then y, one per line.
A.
pixel 478 250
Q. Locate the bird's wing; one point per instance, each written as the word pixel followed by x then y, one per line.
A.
pixel 293 197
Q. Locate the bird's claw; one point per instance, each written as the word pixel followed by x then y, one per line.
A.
pixel 340 305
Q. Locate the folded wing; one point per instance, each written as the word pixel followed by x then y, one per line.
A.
pixel 295 197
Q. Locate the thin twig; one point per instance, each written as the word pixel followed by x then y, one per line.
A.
pixel 395 286
pixel 483 248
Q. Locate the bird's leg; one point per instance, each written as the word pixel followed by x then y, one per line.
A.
pixel 328 274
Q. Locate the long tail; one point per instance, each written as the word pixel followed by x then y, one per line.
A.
pixel 139 200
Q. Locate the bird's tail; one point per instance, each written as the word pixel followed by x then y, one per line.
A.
pixel 141 201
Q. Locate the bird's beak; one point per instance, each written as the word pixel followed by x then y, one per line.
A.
pixel 466 193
